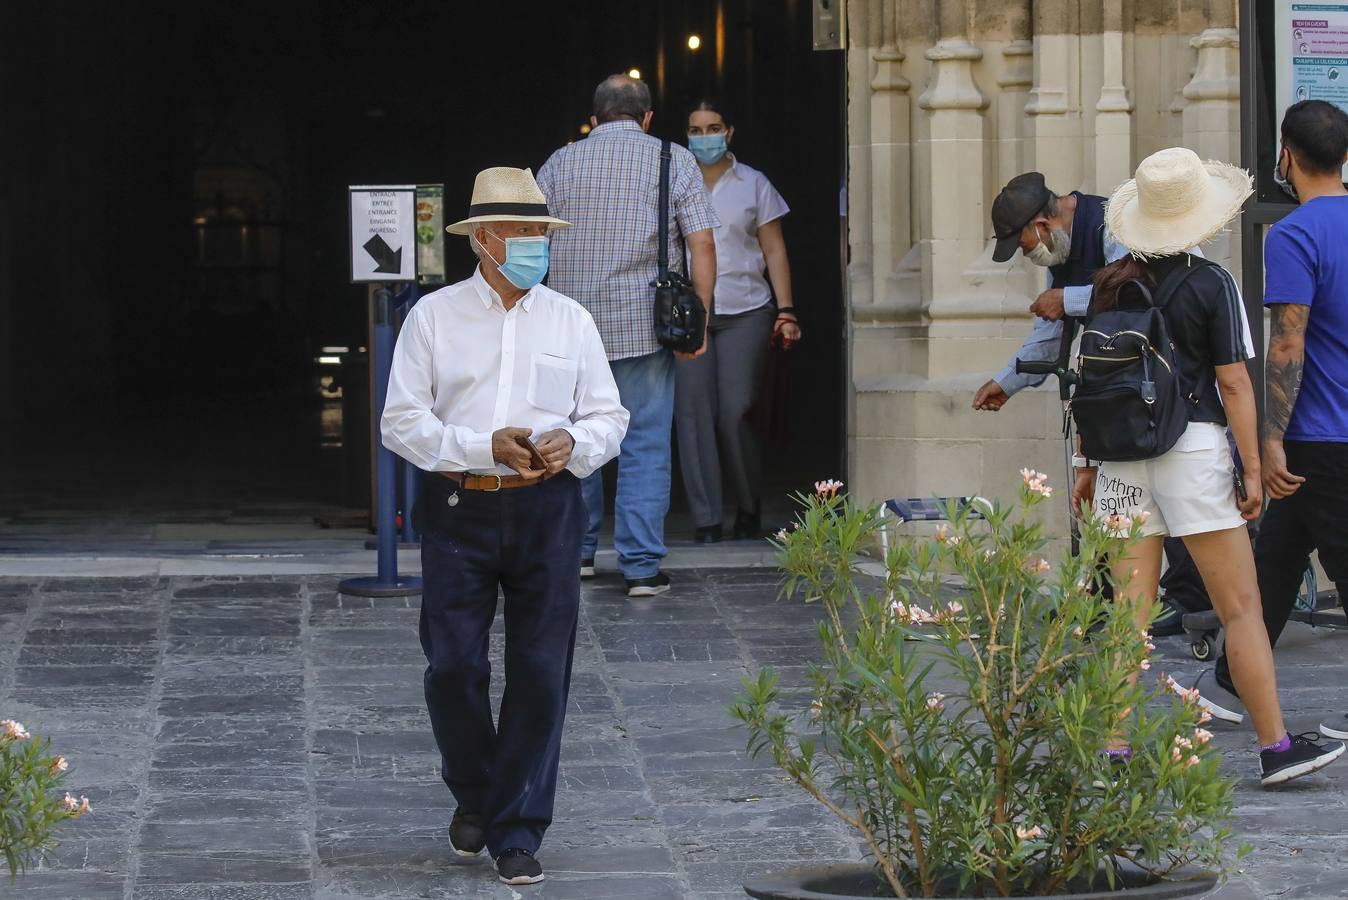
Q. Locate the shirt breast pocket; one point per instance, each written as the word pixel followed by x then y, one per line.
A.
pixel 552 383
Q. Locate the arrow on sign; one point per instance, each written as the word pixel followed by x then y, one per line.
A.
pixel 388 259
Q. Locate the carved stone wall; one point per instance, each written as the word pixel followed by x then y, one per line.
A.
pixel 947 100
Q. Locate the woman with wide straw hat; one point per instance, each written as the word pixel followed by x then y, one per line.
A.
pixel 1175 202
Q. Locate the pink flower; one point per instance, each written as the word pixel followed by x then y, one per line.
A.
pixel 936 701
pixel 75 807
pixel 1125 713
pixel 827 489
pixel 1029 834
pixel 1142 517
pixel 989 554
pixel 1037 482
pixel 1192 761
pixel 59 764
pixel 1204 716
pixel 1183 742
pixel 1145 664
pixel 1176 754
pixel 954 540
pixel 1038 565
pixel 1202 736
pixel 13 731
pixel 1149 645
pixel 780 535
pixel 942 533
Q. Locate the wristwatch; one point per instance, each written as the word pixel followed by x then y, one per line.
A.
pixel 1081 462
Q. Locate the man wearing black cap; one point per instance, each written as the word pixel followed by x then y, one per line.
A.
pixel 1067 236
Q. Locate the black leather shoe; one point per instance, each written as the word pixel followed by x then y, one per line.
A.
pixel 707 534
pixel 748 526
pixel 467 833
pixel 515 866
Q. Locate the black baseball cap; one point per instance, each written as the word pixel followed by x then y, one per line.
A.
pixel 1019 202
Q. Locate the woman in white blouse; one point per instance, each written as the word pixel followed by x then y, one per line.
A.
pixel 716 390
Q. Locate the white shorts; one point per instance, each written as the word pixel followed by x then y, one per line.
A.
pixel 1189 489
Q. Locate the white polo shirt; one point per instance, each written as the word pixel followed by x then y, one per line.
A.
pixel 744 200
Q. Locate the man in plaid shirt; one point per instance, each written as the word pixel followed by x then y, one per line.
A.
pixel 607 186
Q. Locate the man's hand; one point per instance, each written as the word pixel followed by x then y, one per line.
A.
pixel 684 357
pixel 507 451
pixel 1083 491
pixel 1048 305
pixel 990 397
pixel 556 446
pixel 1279 482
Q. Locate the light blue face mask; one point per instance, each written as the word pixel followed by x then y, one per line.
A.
pixel 526 260
pixel 708 148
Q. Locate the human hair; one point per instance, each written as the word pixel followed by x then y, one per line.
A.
pixel 1050 210
pixel 621 97
pixel 711 104
pixel 1316 133
pixel 1110 279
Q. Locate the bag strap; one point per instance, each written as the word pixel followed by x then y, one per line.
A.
pixel 1171 283
pixel 1166 290
pixel 663 253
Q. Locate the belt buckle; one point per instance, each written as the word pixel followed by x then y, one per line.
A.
pixel 498 484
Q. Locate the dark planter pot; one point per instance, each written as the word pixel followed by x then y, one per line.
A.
pixel 858 881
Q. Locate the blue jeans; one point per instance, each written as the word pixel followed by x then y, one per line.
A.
pixel 646 386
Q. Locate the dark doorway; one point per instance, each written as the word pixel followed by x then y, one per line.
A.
pixel 172 219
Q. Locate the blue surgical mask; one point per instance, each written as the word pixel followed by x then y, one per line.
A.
pixel 526 260
pixel 708 148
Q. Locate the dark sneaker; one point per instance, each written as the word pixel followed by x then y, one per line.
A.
pixel 586 568
pixel 1335 727
pixel 1205 696
pixel 1169 623
pixel 648 587
pixel 707 534
pixel 467 833
pixel 515 866
pixel 1302 758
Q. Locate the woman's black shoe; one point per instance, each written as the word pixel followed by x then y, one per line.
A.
pixel 748 525
pixel 707 534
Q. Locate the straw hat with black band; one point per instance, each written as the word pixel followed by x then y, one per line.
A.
pixel 1175 201
pixel 503 194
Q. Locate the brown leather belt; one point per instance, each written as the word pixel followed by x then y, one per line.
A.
pixel 493 483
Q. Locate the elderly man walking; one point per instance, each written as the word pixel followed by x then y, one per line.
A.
pixel 607 185
pixel 500 389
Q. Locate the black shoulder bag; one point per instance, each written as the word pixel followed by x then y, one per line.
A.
pixel 680 317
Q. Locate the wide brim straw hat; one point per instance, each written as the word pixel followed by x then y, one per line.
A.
pixel 1175 201
pixel 503 194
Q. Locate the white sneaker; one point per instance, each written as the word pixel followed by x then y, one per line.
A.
pixel 1217 710
pixel 1336 727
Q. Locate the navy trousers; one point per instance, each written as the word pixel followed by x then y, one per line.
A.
pixel 526 542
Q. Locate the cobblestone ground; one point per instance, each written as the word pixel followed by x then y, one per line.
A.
pixel 251 738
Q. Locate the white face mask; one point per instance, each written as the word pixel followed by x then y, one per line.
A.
pixel 1054 255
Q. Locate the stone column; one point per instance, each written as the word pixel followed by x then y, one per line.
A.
pixel 891 150
pixel 1015 82
pixel 952 176
pixel 1212 108
pixel 860 238
pixel 1113 111
pixel 1053 111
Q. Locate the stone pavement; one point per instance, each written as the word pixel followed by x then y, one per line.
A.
pixel 265 738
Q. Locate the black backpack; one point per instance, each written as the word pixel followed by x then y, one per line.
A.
pixel 1129 403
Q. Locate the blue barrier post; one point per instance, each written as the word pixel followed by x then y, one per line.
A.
pixel 386 583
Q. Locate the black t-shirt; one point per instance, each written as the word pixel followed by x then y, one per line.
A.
pixel 1207 323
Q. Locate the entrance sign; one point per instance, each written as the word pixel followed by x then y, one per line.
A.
pixel 383 232
pixel 431 233
pixel 1311 55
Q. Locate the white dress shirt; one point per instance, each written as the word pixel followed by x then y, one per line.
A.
pixel 465 366
pixel 744 201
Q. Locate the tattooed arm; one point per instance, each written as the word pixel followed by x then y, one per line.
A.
pixel 1282 375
